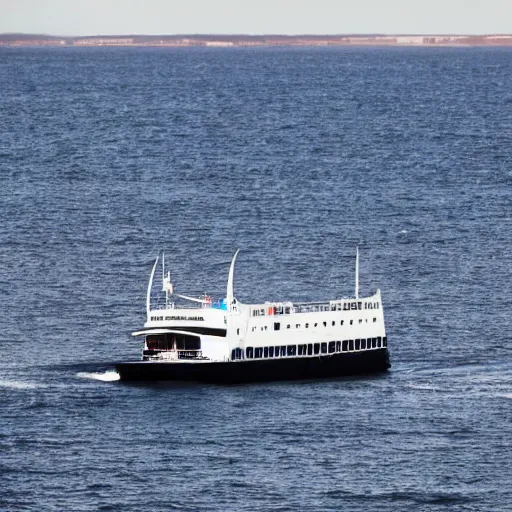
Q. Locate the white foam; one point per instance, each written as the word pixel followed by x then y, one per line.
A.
pixel 16 384
pixel 424 386
pixel 108 376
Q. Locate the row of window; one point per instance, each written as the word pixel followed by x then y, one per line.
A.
pixel 309 349
pixel 277 325
pixel 280 309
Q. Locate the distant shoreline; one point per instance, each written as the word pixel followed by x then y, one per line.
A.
pixel 241 40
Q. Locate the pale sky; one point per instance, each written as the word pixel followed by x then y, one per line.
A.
pixel 89 17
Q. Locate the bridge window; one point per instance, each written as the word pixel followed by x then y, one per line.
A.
pixel 338 346
pixel 270 351
pixel 249 352
pixel 186 342
pixel 351 345
pixel 379 342
pixel 283 350
pixel 265 351
pixel 345 346
pixel 258 352
pixel 277 326
pixel 363 344
pixel 358 344
pixel 317 348
pixel 310 349
pixel 332 347
pixel 324 348
pixel 385 342
pixel 292 350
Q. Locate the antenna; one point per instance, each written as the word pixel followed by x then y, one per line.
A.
pixel 357 271
pixel 167 286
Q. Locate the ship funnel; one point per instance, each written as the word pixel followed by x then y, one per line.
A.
pixel 229 293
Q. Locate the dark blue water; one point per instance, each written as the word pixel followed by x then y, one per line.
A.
pixel 108 156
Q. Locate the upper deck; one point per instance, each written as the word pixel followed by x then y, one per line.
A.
pixel 267 308
pixel 171 310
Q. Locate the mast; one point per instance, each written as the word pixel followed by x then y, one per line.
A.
pixel 229 293
pixel 357 272
pixel 150 284
pixel 163 280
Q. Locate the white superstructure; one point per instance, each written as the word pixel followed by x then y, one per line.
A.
pixel 228 330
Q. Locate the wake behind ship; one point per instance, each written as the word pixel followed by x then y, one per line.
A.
pixel 230 342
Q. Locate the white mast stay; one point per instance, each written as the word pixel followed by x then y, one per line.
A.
pixel 150 284
pixel 229 292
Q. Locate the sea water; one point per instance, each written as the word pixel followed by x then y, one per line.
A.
pixel 295 156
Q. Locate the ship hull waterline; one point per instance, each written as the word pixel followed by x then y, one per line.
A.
pixel 258 370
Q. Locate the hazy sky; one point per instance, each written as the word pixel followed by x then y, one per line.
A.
pixel 80 17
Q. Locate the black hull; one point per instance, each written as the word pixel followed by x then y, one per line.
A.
pixel 258 370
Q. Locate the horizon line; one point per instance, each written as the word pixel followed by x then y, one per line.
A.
pixel 269 34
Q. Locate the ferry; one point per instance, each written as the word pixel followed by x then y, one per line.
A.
pixel 227 342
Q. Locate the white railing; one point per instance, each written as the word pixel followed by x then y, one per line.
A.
pixel 288 308
pixel 155 306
